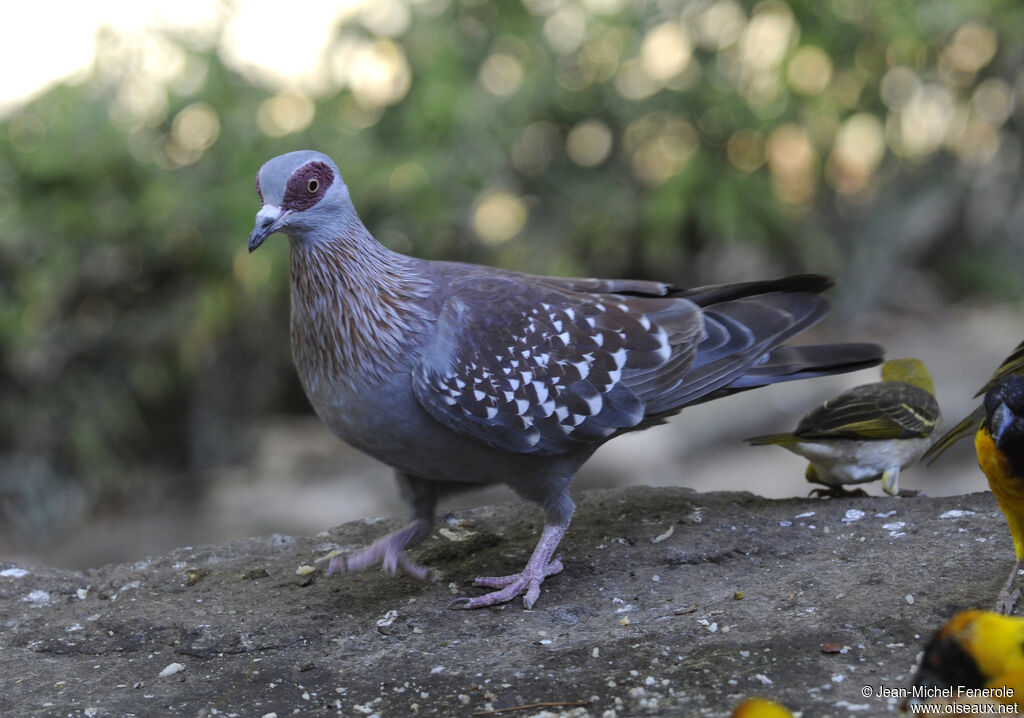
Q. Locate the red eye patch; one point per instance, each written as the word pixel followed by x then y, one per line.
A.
pixel 307 186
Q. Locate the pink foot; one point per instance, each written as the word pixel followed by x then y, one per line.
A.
pixel 1009 596
pixel 539 567
pixel 389 552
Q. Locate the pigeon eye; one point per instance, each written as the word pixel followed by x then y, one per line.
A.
pixel 312 186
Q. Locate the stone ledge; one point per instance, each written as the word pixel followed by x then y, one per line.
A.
pixel 632 627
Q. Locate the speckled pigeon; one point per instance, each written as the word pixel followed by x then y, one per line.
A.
pixel 459 375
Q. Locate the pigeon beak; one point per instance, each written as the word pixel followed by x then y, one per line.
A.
pixel 268 220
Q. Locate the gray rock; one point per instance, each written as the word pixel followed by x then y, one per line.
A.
pixel 672 603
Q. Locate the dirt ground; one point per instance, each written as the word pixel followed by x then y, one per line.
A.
pixel 672 602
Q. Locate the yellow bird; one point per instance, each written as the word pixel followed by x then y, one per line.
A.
pixel 976 656
pixel 869 432
pixel 760 708
pixel 1013 364
pixel 999 442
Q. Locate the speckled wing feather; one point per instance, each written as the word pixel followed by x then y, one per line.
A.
pixel 884 410
pixel 523 366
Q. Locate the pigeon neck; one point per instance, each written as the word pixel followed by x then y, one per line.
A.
pixel 356 306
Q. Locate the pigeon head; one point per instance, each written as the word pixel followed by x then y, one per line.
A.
pixel 303 196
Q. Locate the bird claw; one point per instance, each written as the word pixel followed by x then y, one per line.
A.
pixel 388 551
pixel 1007 601
pixel 366 558
pixel 828 491
pixel 528 582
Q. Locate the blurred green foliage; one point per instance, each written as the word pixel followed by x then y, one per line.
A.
pixel 689 140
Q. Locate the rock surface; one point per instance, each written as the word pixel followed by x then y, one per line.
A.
pixel 672 602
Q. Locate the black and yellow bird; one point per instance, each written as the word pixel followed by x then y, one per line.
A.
pixel 870 432
pixel 975 655
pixel 999 442
pixel 1013 364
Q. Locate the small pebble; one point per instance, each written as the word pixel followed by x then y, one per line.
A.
pixel 956 514
pixel 662 536
pixel 171 669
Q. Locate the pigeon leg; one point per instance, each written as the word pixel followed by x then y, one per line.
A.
pixel 539 567
pixel 1009 596
pixel 389 550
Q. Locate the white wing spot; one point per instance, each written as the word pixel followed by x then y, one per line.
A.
pixel 542 391
pixel 583 367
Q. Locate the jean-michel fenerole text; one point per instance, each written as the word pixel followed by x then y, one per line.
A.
pixel 951 692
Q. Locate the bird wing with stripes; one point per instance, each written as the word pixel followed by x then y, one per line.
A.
pixel 884 410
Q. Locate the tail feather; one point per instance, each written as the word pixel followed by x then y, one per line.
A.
pixel 718 293
pixel 791 363
pixel 743 327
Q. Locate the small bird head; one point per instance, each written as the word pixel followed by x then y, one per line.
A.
pixel 303 196
pixel 950 655
pixel 909 371
pixel 1004 413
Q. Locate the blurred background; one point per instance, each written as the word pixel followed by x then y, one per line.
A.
pixel 147 398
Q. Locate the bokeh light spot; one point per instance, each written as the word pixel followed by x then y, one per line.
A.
pixel 498 216
pixel 858 150
pixel 193 131
pixel 792 161
pixel 660 145
pixel 721 25
pixel 898 87
pixel 665 52
pixel 565 29
pixel 993 100
pixel 589 143
pixel 746 150
pixel 973 46
pixel 810 70
pixel 285 114
pixel 501 74
pixel 378 74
